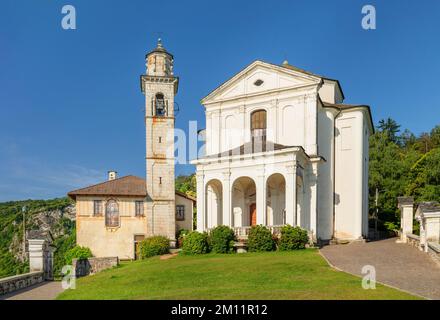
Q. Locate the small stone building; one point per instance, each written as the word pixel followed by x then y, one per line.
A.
pixel 111 216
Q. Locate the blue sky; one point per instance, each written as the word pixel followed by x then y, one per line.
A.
pixel 70 101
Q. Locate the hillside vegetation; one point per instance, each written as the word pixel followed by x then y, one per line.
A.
pixel 56 215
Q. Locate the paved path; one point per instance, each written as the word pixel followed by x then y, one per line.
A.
pixel 398 265
pixel 42 291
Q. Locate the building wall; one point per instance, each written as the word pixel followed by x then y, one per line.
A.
pixel 91 231
pixel 189 209
pixel 326 173
pixel 350 175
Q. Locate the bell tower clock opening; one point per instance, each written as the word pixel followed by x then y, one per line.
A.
pixel 159 85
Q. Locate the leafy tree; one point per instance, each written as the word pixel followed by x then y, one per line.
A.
pixel 390 128
pixel 187 184
pixel 435 137
pixel 402 165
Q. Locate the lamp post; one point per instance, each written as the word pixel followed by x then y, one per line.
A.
pixel 23 211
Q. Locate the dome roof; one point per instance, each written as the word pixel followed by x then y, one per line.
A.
pixel 159 49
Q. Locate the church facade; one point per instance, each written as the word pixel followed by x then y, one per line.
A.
pixel 282 148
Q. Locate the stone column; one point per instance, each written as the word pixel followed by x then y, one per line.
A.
pixel 291 195
pixel 260 185
pixel 36 254
pixel 313 179
pixel 201 223
pixel 226 205
pixel 406 206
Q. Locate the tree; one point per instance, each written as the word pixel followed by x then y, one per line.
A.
pixel 402 165
pixel 390 128
pixel 435 137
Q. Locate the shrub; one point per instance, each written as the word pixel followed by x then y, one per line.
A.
pixel 180 235
pixel 195 243
pixel 77 252
pixel 154 246
pixel 293 238
pixel 221 239
pixel 260 239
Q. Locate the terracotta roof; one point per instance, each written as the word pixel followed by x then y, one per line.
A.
pixel 130 186
pixel 343 105
pixel 249 148
pixel 289 66
pixel 185 196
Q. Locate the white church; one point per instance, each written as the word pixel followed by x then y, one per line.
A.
pixel 282 148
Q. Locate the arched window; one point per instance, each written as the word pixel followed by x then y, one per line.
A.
pixel 112 214
pixel 160 105
pixel 258 126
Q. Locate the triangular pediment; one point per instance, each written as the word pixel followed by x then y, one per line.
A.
pixel 261 77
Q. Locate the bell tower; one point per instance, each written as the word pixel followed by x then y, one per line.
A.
pixel 159 85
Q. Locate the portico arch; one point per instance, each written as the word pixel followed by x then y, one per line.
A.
pixel 276 200
pixel 214 199
pixel 244 202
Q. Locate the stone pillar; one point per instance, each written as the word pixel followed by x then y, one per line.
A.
pixel 428 214
pixel 226 205
pixel 406 206
pixel 36 254
pixel 291 195
pixel 260 185
pixel 313 179
pixel 201 224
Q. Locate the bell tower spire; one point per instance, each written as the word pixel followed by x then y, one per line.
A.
pixel 159 85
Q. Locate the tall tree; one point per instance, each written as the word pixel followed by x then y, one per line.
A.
pixel 390 128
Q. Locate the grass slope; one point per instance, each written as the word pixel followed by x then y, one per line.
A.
pixel 275 275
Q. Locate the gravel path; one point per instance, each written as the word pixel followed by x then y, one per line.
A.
pixel 43 291
pixel 398 265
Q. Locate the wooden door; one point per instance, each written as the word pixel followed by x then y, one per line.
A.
pixel 253 214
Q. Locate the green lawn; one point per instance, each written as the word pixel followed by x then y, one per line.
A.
pixel 274 275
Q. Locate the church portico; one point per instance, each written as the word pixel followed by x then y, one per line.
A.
pixel 253 189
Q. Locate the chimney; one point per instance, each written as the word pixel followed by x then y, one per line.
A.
pixel 112 175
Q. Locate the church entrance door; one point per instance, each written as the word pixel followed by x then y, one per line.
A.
pixel 253 214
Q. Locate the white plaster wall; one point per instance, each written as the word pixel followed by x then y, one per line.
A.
pixel 289 100
pixel 330 92
pixel 326 173
pixel 349 175
pixel 433 229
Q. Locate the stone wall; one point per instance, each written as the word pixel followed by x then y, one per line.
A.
pixel 21 281
pixel 85 267
pixel 413 240
pixel 434 251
